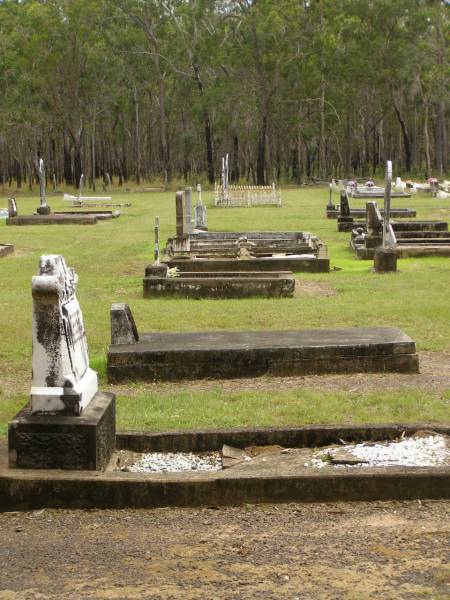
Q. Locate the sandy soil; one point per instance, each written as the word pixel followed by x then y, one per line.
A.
pixel 353 551
pixel 434 377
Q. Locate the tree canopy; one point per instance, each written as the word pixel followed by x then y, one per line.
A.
pixel 143 89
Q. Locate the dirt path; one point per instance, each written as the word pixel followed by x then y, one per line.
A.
pixel 354 551
pixel 434 377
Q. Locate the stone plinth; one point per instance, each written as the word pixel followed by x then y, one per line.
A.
pixel 64 442
pixel 221 285
pixel 6 249
pixel 232 354
pixel 43 210
pixel 385 260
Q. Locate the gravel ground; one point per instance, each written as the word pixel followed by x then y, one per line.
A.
pixel 425 451
pixel 348 551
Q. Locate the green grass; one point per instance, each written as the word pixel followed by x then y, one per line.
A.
pixel 217 408
pixel 110 258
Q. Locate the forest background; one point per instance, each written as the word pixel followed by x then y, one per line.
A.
pixel 161 89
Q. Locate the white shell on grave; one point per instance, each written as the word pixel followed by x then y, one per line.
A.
pixel 62 378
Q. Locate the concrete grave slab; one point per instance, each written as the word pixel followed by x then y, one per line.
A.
pixel 52 219
pixel 216 284
pixel 233 354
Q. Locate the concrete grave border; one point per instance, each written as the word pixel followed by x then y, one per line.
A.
pixel 22 489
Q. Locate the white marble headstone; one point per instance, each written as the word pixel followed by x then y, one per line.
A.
pixel 62 378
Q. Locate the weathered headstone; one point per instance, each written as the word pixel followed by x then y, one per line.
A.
pixel 12 207
pixel 200 217
pixel 188 209
pixel 385 259
pixel 180 217
pixel 63 382
pixel 50 432
pixel 43 208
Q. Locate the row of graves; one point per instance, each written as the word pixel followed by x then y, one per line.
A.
pixel 198 263
pixel 64 451
pixel 355 189
pixel 69 424
pixel 230 196
pixel 45 216
pixel 371 226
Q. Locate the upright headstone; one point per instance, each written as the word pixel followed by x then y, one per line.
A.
pixel 63 381
pixel 49 433
pixel 12 207
pixel 43 208
pixel 188 209
pixel 180 216
pixel 200 217
pixel 385 259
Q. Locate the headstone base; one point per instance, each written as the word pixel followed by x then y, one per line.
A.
pixel 54 442
pixel 43 210
pixel 157 270
pixel 385 260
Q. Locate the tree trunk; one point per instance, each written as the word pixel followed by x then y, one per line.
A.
pixel 235 171
pixel 405 135
pixel 207 127
pixel 261 155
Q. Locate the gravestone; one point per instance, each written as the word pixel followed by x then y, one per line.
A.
pixel 68 423
pixel 385 259
pixel 345 220
pixel 12 207
pixel 188 209
pixel 62 378
pixel 43 208
pixel 200 217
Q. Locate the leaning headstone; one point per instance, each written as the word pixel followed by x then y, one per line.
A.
pixel 43 208
pixel 68 424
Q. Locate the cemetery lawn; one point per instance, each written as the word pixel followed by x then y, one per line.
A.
pixel 110 258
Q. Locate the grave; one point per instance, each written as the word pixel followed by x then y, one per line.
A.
pixel 275 464
pixel 160 281
pixel 68 423
pixel 231 354
pixel 228 196
pixel 80 199
pixel 194 250
pixel 348 218
pixel 412 238
pixel 343 209
pixel 216 284
pixel 355 189
pixel 44 216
